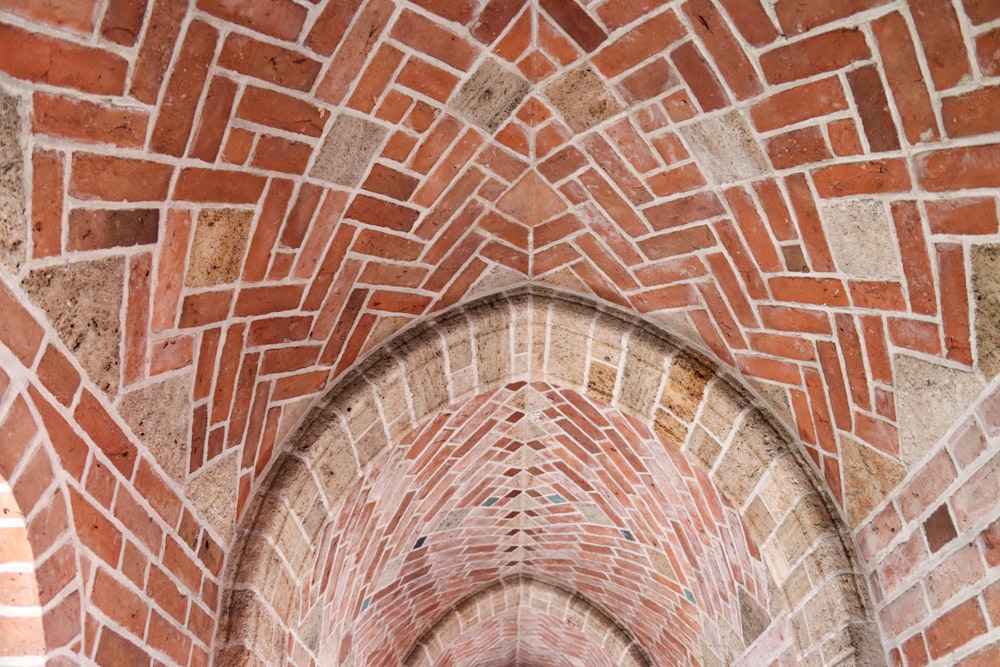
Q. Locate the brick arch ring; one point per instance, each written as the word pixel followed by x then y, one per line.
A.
pixel 536 335
pixel 514 593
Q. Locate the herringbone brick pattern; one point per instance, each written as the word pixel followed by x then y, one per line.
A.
pixel 211 211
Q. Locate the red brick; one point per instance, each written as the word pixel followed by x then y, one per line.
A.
pixel 827 52
pixel 280 154
pixel 268 300
pixel 115 649
pixel 434 40
pixel 214 119
pixel 751 20
pixel 796 17
pixel 156 50
pixel 810 225
pixel 877 295
pixel 180 102
pixel 135 351
pixel 963 115
pixel 18 329
pixel 844 137
pixel 376 81
pixel 973 215
pixel 835 385
pixel 859 178
pixel 955 303
pixel 494 19
pixel 939 30
pixel 797 148
pixel 275 64
pixel 988 52
pixel 873 108
pixel 983 657
pixel 354 49
pixel 717 306
pixel 577 23
pixel 916 260
pixel 108 436
pixel 681 242
pixel 810 100
pixel 295 386
pixel 218 186
pixel 649 81
pixel 91 229
pixel 46 203
pixel 119 179
pixel 427 79
pixel 205 308
pixel 727 53
pixel 915 335
pixel 280 18
pixel 906 80
pixel 459 11
pixel 390 182
pixel 649 38
pixel 59 63
pixel 695 70
pixel 904 612
pixel 88 122
pixel 959 168
pixel 284 112
pixel 123 21
pixel 955 628
pixel 775 209
pixel 58 375
pixel 818 291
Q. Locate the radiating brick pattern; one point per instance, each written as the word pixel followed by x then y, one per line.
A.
pixel 804 192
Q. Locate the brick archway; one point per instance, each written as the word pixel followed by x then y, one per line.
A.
pixel 501 343
pixel 520 593
pixel 22 638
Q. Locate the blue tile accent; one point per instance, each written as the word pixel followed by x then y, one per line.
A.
pixel 491 501
pixel 627 534
pixel 556 499
pixel 364 603
pixel 690 596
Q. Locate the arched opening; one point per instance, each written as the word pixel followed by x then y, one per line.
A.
pixel 335 549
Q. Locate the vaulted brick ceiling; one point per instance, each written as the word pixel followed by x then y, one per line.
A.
pixel 213 213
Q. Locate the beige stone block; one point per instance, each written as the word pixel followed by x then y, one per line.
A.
pixel 835 604
pixel 490 95
pixel 13 217
pixel 929 398
pixel 220 240
pixel 857 230
pixel 726 147
pixel 601 380
pixel 986 292
pixel 311 627
pixel 687 380
pixel 492 336
pixel 723 406
pixel 803 527
pixel 214 492
pixel 583 98
pixel 567 343
pixel 160 416
pixel 783 485
pixel 642 373
pixel 83 301
pixel 869 476
pixel 759 521
pixel 751 451
pixel 347 150
pixel 702 448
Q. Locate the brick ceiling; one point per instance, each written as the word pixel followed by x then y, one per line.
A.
pixel 217 210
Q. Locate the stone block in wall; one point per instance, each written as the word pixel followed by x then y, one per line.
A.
pixel 986 297
pixel 83 301
pixel 869 476
pixel 13 218
pixel 160 415
pixel 214 491
pixel 929 398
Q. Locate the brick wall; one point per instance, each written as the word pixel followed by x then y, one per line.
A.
pixel 211 211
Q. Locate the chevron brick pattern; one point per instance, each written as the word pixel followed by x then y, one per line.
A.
pixel 801 191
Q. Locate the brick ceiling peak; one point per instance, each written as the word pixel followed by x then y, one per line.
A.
pixel 531 200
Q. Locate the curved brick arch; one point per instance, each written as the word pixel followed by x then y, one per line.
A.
pixel 512 338
pixel 22 636
pixel 524 592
